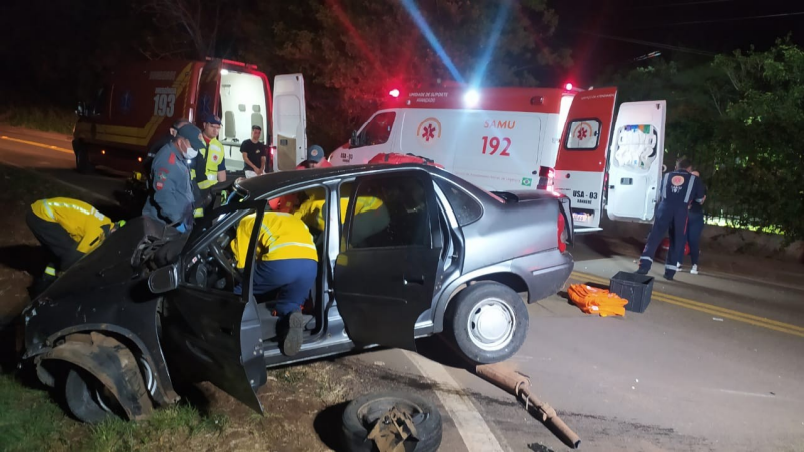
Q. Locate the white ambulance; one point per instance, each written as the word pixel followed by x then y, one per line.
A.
pixel 528 138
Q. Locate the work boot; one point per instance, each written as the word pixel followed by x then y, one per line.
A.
pixel 292 342
pixel 644 266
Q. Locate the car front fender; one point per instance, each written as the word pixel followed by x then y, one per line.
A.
pixel 111 362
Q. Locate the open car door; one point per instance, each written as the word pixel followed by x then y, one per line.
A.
pixel 635 165
pixel 386 271
pixel 581 161
pixel 214 335
pixel 289 119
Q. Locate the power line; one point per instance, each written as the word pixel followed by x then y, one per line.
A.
pixel 729 19
pixel 647 43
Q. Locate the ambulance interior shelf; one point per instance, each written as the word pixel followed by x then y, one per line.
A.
pixel 635 147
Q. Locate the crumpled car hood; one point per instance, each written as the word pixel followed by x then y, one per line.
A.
pixel 111 263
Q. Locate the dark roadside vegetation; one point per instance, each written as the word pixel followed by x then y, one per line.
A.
pixel 303 404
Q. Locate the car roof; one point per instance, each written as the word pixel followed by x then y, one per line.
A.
pixel 260 185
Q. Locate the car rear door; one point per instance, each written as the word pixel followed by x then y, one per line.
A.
pixel 581 161
pixel 386 272
pixel 289 121
pixel 635 164
pixel 214 335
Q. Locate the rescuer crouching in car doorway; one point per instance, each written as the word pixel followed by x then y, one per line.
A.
pixel 287 263
pixel 68 229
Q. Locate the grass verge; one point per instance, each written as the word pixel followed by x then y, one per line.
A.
pixel 48 119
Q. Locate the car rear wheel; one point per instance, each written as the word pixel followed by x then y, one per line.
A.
pixel 87 398
pixel 488 322
pixel 362 414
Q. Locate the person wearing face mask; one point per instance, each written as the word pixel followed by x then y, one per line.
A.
pixel 171 198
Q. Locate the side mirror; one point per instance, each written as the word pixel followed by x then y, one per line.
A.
pixel 164 279
pixel 354 142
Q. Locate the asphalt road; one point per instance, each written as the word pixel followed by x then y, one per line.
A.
pixel 52 155
pixel 716 363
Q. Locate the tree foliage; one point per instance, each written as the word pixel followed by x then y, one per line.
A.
pixel 739 116
pixel 352 52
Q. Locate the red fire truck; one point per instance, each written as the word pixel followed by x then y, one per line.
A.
pixel 565 140
pixel 137 103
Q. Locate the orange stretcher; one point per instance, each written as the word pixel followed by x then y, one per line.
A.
pixel 592 300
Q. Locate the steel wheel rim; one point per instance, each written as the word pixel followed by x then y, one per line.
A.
pixel 491 324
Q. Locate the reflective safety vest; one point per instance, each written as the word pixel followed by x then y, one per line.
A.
pixel 311 212
pixel 82 221
pixel 282 236
pixel 214 156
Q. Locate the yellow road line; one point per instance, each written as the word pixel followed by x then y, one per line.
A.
pixel 668 297
pixel 41 145
pixel 709 309
pixel 733 317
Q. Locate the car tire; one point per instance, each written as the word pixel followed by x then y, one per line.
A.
pixel 488 322
pixel 82 394
pixel 362 413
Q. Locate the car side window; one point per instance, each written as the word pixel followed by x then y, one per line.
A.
pixel 467 210
pixel 378 130
pixel 390 211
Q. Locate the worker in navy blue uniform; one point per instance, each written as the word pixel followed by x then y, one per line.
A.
pixel 171 199
pixel 679 188
pixel 695 225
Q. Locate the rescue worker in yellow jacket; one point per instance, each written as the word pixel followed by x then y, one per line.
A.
pixel 286 263
pixel 209 167
pixel 68 229
pixel 370 216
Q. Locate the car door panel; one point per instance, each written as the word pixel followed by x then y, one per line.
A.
pixel 216 338
pixel 382 290
pixel 381 293
pixel 213 335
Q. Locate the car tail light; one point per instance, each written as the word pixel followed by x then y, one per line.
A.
pixel 546 178
pixel 562 233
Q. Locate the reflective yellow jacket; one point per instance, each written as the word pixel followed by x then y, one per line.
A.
pixel 215 156
pixel 82 221
pixel 311 210
pixel 282 236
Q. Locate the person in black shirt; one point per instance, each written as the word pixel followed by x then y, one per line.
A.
pixel 253 153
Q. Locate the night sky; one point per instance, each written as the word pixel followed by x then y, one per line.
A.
pixel 669 22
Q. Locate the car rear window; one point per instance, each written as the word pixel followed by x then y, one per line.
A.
pixel 467 209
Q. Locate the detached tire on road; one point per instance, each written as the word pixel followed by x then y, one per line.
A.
pixel 363 413
pixel 488 322
pixel 83 393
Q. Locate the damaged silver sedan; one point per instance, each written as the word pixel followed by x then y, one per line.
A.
pixel 152 309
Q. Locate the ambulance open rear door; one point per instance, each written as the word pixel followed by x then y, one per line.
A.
pixel 289 118
pixel 581 162
pixel 635 161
